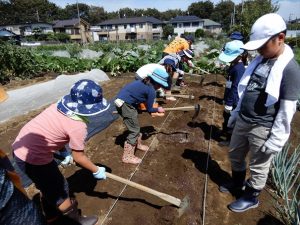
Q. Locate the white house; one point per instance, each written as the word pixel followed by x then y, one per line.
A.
pixel 187 24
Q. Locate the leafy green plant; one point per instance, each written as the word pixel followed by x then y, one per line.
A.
pixel 285 175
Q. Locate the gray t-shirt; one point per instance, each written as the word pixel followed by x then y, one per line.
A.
pixel 253 109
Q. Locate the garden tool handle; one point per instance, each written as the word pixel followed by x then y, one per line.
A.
pixel 183 108
pixel 180 96
pixel 166 197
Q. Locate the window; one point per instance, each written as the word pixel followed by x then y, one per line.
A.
pixel 195 24
pixel 109 26
pixel 68 31
pixel 174 24
pixel 125 26
pixel 186 24
pixel 154 26
pixel 141 25
pixel 132 25
pixel 180 25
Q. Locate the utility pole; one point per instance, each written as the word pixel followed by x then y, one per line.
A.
pixel 37 15
pixel 80 31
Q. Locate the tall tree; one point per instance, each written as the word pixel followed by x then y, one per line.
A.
pixel 126 12
pixel 96 14
pixel 201 9
pixel 223 13
pixel 171 13
pixel 71 11
pixel 249 12
pixel 152 12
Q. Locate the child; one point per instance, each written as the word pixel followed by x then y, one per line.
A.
pixel 231 54
pixel 15 207
pixel 127 101
pixel 59 124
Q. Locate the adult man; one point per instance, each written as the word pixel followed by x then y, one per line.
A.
pixel 268 92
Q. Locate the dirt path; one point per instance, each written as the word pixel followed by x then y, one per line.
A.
pixel 176 165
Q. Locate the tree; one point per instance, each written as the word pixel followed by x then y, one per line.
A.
pixel 201 9
pixel 248 13
pixel 152 12
pixel 126 12
pixel 168 30
pixel 96 14
pixel 71 11
pixel 222 13
pixel 171 13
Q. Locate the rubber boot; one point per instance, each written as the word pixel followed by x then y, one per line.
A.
pixel 50 212
pixel 236 185
pixel 140 146
pixel 73 214
pixel 128 155
pixel 249 200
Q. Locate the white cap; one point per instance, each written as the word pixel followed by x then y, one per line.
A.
pixel 263 29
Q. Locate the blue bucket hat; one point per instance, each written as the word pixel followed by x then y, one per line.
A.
pixel 160 76
pixel 231 51
pixel 171 63
pixel 236 36
pixel 85 99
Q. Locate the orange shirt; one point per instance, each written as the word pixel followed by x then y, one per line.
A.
pixel 177 45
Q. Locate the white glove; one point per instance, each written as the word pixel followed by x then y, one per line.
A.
pixel 228 108
pixel 68 160
pixel 191 64
pixel 100 174
pixel 181 72
pixel 267 151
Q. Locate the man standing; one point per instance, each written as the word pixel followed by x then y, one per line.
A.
pixel 268 92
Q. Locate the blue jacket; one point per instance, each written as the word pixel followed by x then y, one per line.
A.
pixel 138 92
pixel 235 74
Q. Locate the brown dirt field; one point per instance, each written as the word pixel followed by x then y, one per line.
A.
pixel 176 165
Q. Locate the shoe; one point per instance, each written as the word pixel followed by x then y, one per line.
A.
pixel 237 184
pixel 248 201
pixel 128 155
pixel 140 146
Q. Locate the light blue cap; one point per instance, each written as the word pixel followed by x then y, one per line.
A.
pixel 231 51
pixel 160 76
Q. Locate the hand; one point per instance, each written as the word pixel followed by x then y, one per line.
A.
pixel 267 151
pixel 228 108
pixel 100 174
pixel 68 160
pixel 160 110
pixel 181 72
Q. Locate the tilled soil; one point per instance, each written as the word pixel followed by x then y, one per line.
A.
pixel 184 156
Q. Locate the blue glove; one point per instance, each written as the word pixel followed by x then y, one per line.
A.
pixel 100 174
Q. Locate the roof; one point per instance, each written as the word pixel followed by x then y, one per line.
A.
pixel 144 19
pixel 208 22
pixel 66 23
pixel 6 33
pixel 185 19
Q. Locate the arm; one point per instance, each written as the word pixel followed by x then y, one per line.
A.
pixel 84 161
pixel 280 131
pixel 150 101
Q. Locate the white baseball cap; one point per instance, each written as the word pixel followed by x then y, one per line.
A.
pixel 263 29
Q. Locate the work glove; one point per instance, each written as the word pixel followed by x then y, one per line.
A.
pixel 191 64
pixel 100 174
pixel 228 108
pixel 180 72
pixel 267 150
pixel 68 158
pixel 160 110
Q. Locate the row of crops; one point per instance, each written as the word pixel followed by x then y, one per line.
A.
pixel 26 63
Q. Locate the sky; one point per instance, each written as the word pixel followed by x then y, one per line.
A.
pixel 289 9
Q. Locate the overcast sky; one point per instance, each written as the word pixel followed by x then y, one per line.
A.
pixel 289 9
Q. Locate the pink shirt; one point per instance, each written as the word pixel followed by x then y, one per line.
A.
pixel 48 132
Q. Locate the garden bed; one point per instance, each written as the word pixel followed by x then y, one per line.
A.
pixel 176 164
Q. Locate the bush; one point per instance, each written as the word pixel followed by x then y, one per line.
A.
pixel 199 33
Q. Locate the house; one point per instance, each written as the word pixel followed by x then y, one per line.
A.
pixel 78 29
pixel 186 24
pixel 212 26
pixel 28 29
pixel 135 28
